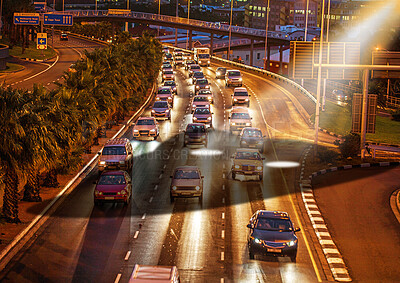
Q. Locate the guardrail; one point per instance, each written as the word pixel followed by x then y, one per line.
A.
pixel 393 101
pixel 170 19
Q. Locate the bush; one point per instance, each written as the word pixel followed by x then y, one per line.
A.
pixel 350 146
pixel 326 155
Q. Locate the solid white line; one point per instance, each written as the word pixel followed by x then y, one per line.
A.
pixel 51 66
pixel 136 235
pixel 222 256
pixel 155 187
pixel 127 255
pixel 222 280
pixel 144 216
pixel 118 278
pixel 223 215
pixel 151 199
pixel 223 234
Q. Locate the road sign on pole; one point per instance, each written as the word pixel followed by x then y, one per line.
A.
pixel 41 41
pixel 26 18
pixel 357 113
pixel 40 6
pixel 57 19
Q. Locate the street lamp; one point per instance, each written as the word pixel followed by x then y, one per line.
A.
pixel 266 39
pixel 230 33
pixel 306 27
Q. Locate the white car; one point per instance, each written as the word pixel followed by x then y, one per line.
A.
pixel 247 162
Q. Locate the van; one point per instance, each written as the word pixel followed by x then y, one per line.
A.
pixel 159 274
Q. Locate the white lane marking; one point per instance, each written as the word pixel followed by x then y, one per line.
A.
pixel 223 187
pixel 127 255
pixel 165 166
pixel 136 234
pixel 155 187
pixel 51 66
pixel 151 199
pixel 144 216
pixel 222 256
pixel 223 176
pixel 223 215
pixel 223 234
pixel 159 177
pixel 223 200
pixel 118 278
pixel 223 166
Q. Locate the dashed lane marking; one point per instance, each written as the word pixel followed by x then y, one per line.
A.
pixel 136 235
pixel 118 278
pixel 127 255
pixel 151 199
pixel 155 187
pixel 144 216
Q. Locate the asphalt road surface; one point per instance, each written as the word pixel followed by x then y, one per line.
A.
pixel 206 241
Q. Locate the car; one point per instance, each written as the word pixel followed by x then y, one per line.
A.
pixel 252 138
pixel 272 233
pixel 72 68
pixel 113 186
pixel 63 36
pixel 201 84
pixel 165 49
pixel 178 60
pixel 186 55
pixel 339 95
pixel 239 118
pixel 195 134
pixel 189 62
pixel 208 93
pixel 161 110
pixel 240 96
pixel 197 75
pixel 166 67
pixel 168 56
pixel 165 93
pixel 155 274
pixel 187 181
pixel 202 115
pixel 117 154
pixel 193 68
pixel 233 78
pixel 168 75
pixel 200 101
pixel 220 73
pixel 247 162
pixel 145 128
pixel 173 86
pixel 166 64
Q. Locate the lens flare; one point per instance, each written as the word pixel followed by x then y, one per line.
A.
pixel 206 152
pixel 282 164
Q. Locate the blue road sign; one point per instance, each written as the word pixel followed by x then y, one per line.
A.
pixel 57 19
pixel 40 6
pixel 42 41
pixel 26 18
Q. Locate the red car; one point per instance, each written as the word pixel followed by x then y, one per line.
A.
pixel 113 186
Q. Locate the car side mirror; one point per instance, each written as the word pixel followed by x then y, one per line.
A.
pixel 249 94
pixel 297 229
pixel 249 226
pixel 251 118
pixel 229 117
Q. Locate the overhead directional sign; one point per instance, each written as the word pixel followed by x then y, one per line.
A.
pixel 41 41
pixel 26 18
pixel 57 19
pixel 40 6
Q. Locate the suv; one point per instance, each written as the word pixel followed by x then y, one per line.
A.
pixel 165 93
pixel 252 137
pixel 208 93
pixel 113 186
pixel 145 127
pixel 197 75
pixel 239 118
pixel 240 96
pixel 220 73
pixel 200 101
pixel 195 133
pixel 193 68
pixel 233 77
pixel 168 75
pixel 247 162
pixel 202 115
pixel 63 36
pixel 272 233
pixel 173 85
pixel 201 84
pixel 186 182
pixel 117 154
pixel 161 110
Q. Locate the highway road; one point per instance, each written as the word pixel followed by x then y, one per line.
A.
pixel 207 241
pixel 357 211
pixel 51 71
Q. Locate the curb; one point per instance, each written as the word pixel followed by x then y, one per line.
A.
pixel 333 257
pixel 22 238
pixel 395 204
pixel 13 72
pixel 330 133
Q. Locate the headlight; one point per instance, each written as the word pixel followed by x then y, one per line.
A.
pixel 153 111
pixel 166 111
pixel 291 243
pixel 234 99
pixel 207 86
pixel 158 98
pixel 135 131
pixel 123 192
pixel 174 188
pixel 174 88
pixel 259 168
pixel 209 97
pixel 208 106
pixel 102 162
pixel 244 142
pixel 164 76
pixel 208 62
pixel 194 118
pixel 237 166
pixel 197 188
pixel 209 118
pixel 152 130
pixel 218 73
pixel 257 241
pixel 122 162
pixel 233 124
pixel 98 193
pixel 248 124
pixel 240 79
pixel 197 87
pixel 246 99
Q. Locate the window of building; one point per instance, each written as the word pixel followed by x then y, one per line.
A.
pixel 258 56
pixel 264 9
pixel 259 15
pixel 259 8
pixel 247 57
pixel 250 7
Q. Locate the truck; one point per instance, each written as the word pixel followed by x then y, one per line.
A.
pixel 202 56
pixel 159 274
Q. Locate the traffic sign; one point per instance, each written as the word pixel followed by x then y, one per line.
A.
pixel 357 113
pixel 42 41
pixel 26 18
pixel 40 6
pixel 57 19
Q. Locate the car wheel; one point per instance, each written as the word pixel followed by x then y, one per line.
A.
pixel 128 199
pixel 293 258
pixel 233 175
pixel 251 254
pixel 171 198
pixel 201 198
pixel 260 177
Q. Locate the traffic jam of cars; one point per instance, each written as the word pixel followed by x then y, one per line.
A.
pixel 270 232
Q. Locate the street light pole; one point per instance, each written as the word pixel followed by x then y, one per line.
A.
pixel 187 33
pixel 327 40
pixel 306 27
pixel 176 30
pixel 266 39
pixel 228 57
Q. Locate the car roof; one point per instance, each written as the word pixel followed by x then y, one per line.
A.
pixel 201 95
pixel 121 141
pixel 221 68
pixel 239 89
pixel 146 118
pixel 194 65
pixel 119 172
pixel 232 70
pixel 195 124
pixel 247 150
pixel 251 129
pixel 187 168
pixel 273 214
pixel 238 109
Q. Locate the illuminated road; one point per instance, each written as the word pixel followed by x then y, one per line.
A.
pixel 207 242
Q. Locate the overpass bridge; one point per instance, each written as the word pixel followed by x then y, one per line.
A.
pixel 274 38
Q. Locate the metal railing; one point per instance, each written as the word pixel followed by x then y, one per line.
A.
pixel 393 101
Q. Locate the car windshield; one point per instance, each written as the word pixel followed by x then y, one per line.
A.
pixel 168 72
pixel 241 93
pixel 252 133
pixel 178 58
pixel 204 56
pixel 274 224
pixel 145 122
pixel 248 155
pixel 202 111
pixel 221 70
pixel 198 75
pixel 112 180
pixel 167 66
pixel 169 83
pixel 190 62
pixel 168 55
pixel 202 81
pixel 195 129
pixel 160 104
pixel 186 174
pixel 234 73
pixel 164 91
pixel 205 91
pixel 200 98
pixel 114 150
pixel 240 116
pixel 194 67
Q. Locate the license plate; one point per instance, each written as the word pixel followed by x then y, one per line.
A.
pixel 274 250
pixel 186 194
pixel 108 198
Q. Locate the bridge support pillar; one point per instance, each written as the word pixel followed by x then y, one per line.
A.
pixel 268 57
pixel 190 40
pixel 211 44
pixel 251 51
pixel 280 59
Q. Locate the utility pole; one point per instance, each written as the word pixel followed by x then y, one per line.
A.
pixel 176 30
